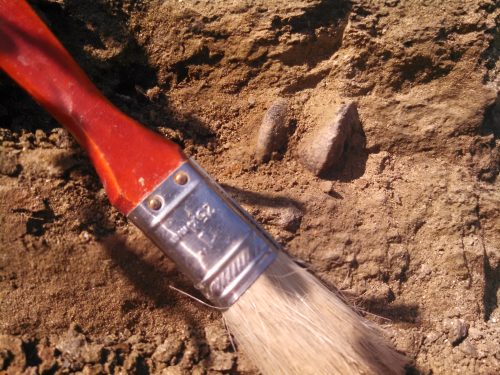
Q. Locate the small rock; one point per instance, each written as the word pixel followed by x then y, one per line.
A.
pixel 84 236
pixel 287 218
pixel 456 330
pixel 251 101
pixel 222 361
pixel 326 186
pixel 72 342
pixel 8 164
pixel 290 218
pixel 217 337
pixel 324 148
pixel 74 347
pixel 153 93
pixel 168 350
pixel 273 131
pixel 425 270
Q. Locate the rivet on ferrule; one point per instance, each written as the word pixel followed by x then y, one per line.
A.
pixel 181 178
pixel 155 203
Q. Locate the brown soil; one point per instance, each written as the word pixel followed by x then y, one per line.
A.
pixel 408 228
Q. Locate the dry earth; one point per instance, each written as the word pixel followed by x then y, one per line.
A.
pixel 408 227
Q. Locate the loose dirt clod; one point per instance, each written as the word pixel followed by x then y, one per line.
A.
pixel 323 149
pixel 12 356
pixel 8 164
pixel 457 330
pixel 168 349
pixel 273 130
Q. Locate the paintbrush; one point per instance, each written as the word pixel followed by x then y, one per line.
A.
pixel 282 317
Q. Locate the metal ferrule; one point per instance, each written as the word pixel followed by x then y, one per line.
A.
pixel 210 238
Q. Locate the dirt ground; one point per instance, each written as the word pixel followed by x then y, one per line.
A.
pixel 408 228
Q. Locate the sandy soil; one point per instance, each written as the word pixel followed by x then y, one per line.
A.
pixel 408 227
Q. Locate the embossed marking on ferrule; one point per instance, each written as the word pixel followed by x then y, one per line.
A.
pixel 209 237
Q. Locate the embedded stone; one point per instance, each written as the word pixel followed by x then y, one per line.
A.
pixel 324 148
pixel 273 131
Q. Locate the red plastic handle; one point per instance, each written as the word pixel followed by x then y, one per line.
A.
pixel 130 159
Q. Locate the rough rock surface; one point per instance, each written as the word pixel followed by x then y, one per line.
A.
pixel 324 148
pixel 408 226
pixel 273 131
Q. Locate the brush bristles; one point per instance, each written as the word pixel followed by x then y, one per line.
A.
pixel 289 323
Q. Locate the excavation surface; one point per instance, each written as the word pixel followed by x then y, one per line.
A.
pixel 407 227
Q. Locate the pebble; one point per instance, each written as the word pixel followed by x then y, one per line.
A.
pixel 153 93
pixel 251 101
pixel 290 219
pixel 457 330
pixel 71 342
pixel 326 186
pixel 84 236
pixel 425 271
pixel 323 149
pixel 273 131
